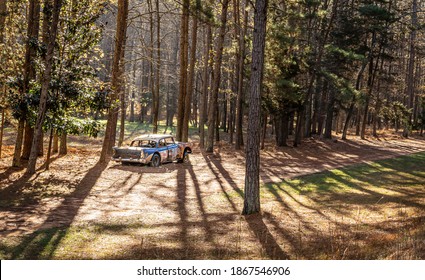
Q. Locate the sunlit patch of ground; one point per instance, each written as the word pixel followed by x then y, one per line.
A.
pixel 312 206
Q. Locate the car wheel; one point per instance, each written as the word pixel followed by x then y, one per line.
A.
pixel 185 157
pixel 156 160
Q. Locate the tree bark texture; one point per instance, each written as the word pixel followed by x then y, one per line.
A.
pixel 155 105
pixel 63 147
pixel 191 77
pixel 411 68
pixel 213 106
pixel 111 125
pixel 1 129
pixel 240 75
pixel 3 14
pixel 53 28
pixel 184 38
pixel 29 73
pixel 252 171
pixel 206 76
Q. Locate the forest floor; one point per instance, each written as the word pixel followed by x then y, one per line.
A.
pixel 354 199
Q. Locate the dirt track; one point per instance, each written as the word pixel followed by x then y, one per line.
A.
pixel 180 201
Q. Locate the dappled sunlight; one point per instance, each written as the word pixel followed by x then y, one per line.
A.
pixel 192 211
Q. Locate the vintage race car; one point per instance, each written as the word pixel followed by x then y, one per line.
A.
pixel 153 149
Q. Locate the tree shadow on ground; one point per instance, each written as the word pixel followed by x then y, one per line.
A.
pixel 43 243
pixel 198 231
pixel 267 240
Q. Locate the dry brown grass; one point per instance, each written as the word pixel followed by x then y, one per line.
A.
pixel 82 210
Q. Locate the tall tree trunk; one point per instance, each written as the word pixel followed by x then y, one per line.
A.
pixel 353 102
pixel 322 108
pixel 151 59
pixel 240 75
pixel 122 97
pixel 191 75
pixel 252 171
pixel 55 143
pixel 195 99
pixel 133 80
pixel 155 105
pixel 3 14
pixel 264 131
pixel 16 162
pixel 28 136
pixel 53 28
pixel 378 104
pixel 373 67
pixel 1 129
pixel 306 108
pixel 299 126
pixel 281 123
pixel 29 74
pixel 49 149
pixel 411 68
pixel 63 148
pixel 111 125
pixel 184 37
pixel 206 75
pixel 40 145
pixel 123 110
pixel 213 108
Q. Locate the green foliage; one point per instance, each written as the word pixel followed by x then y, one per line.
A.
pixel 75 89
pixel 396 111
pixel 376 13
pixel 286 58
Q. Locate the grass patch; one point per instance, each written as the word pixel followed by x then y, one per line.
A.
pixel 373 210
pixel 389 174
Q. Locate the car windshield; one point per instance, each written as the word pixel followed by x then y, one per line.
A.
pixel 144 143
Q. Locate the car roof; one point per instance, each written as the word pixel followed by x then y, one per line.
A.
pixel 154 137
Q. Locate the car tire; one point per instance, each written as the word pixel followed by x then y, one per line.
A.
pixel 156 161
pixel 185 158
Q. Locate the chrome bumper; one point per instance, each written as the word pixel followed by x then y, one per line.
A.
pixel 135 160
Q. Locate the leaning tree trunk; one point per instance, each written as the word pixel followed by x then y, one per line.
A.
pixel 111 125
pixel 53 28
pixel 252 171
pixel 49 148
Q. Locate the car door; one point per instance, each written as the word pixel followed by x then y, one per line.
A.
pixel 163 150
pixel 172 148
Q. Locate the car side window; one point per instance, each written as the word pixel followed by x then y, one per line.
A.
pixel 162 143
pixel 169 141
